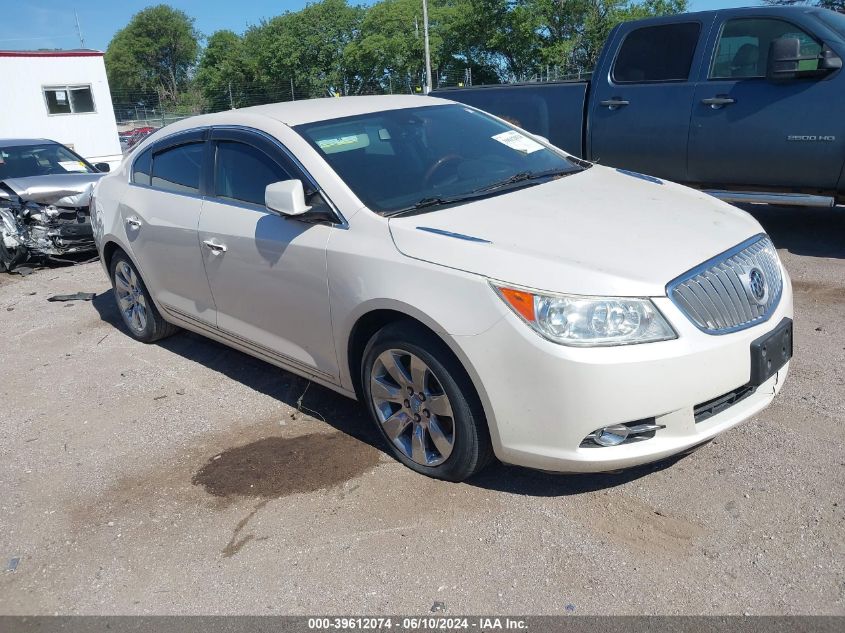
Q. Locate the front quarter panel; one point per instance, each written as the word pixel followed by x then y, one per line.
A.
pixel 367 273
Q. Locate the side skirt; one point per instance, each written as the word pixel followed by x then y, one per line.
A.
pixel 230 339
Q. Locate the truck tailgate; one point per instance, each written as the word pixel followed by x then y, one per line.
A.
pixel 553 110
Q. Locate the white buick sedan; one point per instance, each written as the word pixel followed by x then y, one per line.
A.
pixel 480 291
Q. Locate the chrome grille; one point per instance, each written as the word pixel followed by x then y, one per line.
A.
pixel 724 294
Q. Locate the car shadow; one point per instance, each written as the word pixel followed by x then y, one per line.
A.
pixel 349 417
pixel 803 231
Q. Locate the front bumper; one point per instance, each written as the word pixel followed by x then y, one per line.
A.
pixel 542 399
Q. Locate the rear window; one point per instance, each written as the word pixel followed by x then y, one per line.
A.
pixel 178 169
pixel 657 53
pixel 141 169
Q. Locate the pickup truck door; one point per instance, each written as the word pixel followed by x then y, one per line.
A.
pixel 749 130
pixel 642 96
pixel 268 273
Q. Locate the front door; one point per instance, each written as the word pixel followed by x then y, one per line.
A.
pixel 748 130
pixel 267 273
pixel 640 111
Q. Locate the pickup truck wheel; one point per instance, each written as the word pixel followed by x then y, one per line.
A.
pixel 139 314
pixel 424 404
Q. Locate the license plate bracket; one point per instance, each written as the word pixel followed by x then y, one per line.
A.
pixel 770 352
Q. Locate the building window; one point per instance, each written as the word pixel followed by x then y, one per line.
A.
pixel 69 99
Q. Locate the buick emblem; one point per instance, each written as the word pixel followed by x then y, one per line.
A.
pixel 756 283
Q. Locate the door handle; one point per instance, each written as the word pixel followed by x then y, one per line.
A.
pixel 718 101
pixel 133 222
pixel 214 247
pixel 614 103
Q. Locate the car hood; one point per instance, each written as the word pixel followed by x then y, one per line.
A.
pixel 602 231
pixel 62 190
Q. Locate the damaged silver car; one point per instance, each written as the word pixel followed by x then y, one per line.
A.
pixel 45 195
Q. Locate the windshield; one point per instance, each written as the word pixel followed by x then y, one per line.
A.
pixel 834 20
pixel 38 160
pixel 394 159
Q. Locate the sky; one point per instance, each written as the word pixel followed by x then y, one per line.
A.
pixel 32 24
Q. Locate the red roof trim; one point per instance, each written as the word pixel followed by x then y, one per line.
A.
pixel 51 54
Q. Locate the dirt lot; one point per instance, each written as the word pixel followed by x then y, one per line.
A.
pixel 181 478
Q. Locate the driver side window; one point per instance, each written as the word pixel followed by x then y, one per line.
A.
pixel 743 49
pixel 242 172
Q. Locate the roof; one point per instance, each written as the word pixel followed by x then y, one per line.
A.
pixel 17 142
pixel 311 110
pixel 76 52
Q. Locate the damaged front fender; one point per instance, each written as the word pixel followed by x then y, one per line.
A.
pixel 45 217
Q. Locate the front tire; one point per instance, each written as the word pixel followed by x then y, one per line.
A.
pixel 136 307
pixel 424 404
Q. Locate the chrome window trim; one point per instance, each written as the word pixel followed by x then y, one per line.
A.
pixel 162 143
pixel 158 146
pixel 671 288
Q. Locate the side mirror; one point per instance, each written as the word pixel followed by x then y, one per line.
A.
pixel 785 60
pixel 286 197
pixel 102 167
pixel 784 55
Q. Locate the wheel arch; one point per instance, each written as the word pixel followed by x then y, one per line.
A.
pixel 375 318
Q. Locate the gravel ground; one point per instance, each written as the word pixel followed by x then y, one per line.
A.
pixel 181 478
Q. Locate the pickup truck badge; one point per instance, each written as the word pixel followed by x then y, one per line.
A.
pixel 811 138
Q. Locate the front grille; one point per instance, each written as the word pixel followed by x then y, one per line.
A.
pixel 715 406
pixel 719 295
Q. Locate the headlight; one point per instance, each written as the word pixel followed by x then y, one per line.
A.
pixel 588 321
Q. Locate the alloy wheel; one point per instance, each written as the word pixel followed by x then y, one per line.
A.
pixel 412 407
pixel 130 297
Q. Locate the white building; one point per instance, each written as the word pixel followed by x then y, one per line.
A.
pixel 62 96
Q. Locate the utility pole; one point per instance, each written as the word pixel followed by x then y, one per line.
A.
pixel 427 50
pixel 231 101
pixel 292 96
pixel 79 30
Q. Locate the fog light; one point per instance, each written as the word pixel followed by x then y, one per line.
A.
pixel 611 435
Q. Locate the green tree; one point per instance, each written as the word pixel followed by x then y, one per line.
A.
pixel 388 53
pixel 156 51
pixel 223 74
pixel 834 5
pixel 572 33
pixel 306 47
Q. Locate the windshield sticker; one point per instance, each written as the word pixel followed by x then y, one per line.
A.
pixel 343 143
pixel 517 141
pixel 72 165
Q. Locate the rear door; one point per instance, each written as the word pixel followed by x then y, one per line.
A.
pixel 640 108
pixel 748 130
pixel 160 211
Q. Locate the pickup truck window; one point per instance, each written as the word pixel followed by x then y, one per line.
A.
pixel 657 53
pixel 743 49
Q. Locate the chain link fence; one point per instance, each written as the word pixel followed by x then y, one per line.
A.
pixel 137 111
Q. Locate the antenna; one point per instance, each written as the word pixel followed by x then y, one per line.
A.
pixel 79 30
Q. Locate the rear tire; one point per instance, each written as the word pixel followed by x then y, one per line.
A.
pixel 136 307
pixel 424 404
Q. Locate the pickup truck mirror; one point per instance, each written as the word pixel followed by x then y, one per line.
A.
pixel 785 60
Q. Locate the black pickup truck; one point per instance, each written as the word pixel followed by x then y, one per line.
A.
pixel 746 103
